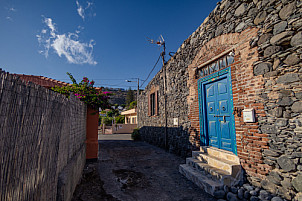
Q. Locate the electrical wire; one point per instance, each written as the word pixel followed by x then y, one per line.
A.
pixel 151 71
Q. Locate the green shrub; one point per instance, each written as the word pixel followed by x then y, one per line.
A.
pixel 136 135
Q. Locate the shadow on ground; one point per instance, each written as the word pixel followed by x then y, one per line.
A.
pixel 129 171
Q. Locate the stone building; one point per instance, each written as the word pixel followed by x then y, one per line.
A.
pixel 233 91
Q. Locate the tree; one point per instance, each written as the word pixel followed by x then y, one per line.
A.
pixel 129 97
pixel 132 105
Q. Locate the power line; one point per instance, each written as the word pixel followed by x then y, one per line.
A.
pixel 151 71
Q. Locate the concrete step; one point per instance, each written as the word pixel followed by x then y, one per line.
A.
pixel 206 168
pixel 209 185
pixel 232 168
pixel 220 153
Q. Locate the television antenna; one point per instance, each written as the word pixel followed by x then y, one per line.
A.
pixel 160 42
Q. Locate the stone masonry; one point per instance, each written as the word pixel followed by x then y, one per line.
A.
pixel 266 37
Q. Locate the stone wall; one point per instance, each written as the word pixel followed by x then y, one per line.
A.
pixel 42 141
pixel 266 38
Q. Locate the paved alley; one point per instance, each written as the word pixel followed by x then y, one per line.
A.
pixel 132 171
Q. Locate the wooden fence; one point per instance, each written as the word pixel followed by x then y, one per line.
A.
pixel 41 133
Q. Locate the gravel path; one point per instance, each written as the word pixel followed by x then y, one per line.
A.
pixel 130 171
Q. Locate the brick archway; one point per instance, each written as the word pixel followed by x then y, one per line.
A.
pixel 246 87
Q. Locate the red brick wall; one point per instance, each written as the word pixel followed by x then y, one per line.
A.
pixel 246 89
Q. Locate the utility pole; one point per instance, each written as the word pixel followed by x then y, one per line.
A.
pixel 161 42
pixel 137 98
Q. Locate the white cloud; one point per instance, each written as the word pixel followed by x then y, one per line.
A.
pixel 12 9
pixel 9 18
pixel 82 11
pixel 67 45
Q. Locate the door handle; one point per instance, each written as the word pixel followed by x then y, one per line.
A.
pixel 223 118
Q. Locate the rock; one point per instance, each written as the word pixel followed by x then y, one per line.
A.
pixel 297 24
pixel 264 38
pixel 219 30
pixel 288 78
pixel 254 198
pixel 248 187
pixel 234 190
pixel 241 10
pixel 291 59
pixel 298 95
pixel 226 189
pixel 296 39
pixel 287 114
pixel 247 195
pixel 286 183
pixel 285 101
pixel 298 197
pixel 285 93
pixel 252 12
pixel 219 194
pixel 253 193
pixel 260 17
pixel 240 193
pixel 280 27
pixel 276 63
pixel 268 129
pixel 287 10
pixel 281 37
pixel 240 27
pixel 264 195
pixel 276 199
pixel 297 107
pixel 229 16
pixel 262 68
pixel 297 183
pixel 269 186
pixel 268 152
pixel 269 51
pixel 274 177
pixel 231 196
pixel 286 164
pixel 281 122
pixel 278 112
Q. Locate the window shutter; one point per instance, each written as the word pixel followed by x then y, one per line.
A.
pixel 156 102
pixel 149 104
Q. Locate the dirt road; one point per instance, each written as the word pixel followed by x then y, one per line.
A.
pixel 130 171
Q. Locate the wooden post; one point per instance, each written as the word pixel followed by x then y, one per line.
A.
pixel 92 146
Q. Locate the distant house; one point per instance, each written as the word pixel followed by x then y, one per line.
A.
pixel 130 116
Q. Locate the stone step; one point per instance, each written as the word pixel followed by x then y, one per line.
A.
pixel 220 153
pixel 207 169
pixel 229 166
pixel 207 184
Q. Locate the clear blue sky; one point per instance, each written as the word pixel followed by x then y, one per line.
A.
pixel 103 40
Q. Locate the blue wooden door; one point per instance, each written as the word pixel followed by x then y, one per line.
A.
pixel 218 114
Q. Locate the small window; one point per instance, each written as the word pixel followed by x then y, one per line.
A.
pixel 134 120
pixel 128 120
pixel 153 104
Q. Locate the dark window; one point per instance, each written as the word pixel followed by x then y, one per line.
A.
pixel 153 104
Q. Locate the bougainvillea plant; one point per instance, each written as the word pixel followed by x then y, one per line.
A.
pixel 94 98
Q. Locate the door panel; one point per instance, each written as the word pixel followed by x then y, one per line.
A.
pixel 218 114
pixel 213 134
